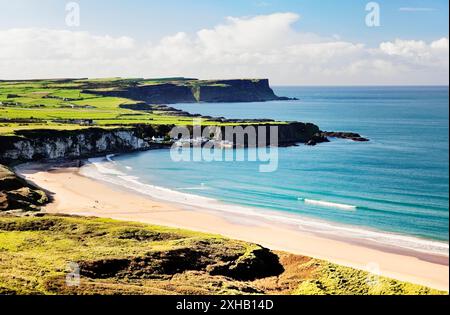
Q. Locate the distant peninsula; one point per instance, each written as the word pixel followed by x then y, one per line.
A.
pixel 193 91
pixel 78 118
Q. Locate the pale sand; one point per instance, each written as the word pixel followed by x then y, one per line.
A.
pixel 75 194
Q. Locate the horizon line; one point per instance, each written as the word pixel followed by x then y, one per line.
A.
pixel 191 78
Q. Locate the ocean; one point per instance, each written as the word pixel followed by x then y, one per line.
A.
pixel 392 190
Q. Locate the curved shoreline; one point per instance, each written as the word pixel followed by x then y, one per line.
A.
pixel 105 169
pixel 76 194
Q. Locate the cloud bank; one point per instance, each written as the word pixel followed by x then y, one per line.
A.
pixel 260 46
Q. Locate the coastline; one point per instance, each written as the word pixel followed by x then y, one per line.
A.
pixel 105 169
pixel 76 194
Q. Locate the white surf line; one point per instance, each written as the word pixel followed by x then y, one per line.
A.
pixel 328 204
pixel 109 158
pixel 201 187
pixel 197 201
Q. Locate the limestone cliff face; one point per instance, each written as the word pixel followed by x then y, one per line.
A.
pixel 46 144
pixel 51 144
pixel 200 91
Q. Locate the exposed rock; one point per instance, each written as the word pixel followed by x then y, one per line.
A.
pixel 316 139
pixel 137 106
pixel 285 98
pixel 239 263
pixel 237 91
pixel 50 144
pixel 167 93
pixel 16 193
pixel 346 135
pixel 258 263
pixel 220 91
pixel 31 145
pixel 298 132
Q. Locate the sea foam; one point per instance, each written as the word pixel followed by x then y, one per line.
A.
pixel 328 204
pixel 105 170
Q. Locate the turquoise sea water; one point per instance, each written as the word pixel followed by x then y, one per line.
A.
pixel 396 184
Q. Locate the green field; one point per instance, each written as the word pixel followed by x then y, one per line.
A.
pixel 76 103
pixel 115 257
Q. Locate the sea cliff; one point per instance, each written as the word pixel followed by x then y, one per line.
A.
pixel 32 145
pixel 192 91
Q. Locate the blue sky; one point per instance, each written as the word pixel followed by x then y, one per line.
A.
pixel 308 41
pixel 147 19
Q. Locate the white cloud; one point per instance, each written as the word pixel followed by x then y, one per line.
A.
pixel 415 9
pixel 419 52
pixel 260 46
pixel 56 45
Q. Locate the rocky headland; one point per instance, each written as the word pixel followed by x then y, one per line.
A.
pixel 33 145
pixel 193 91
pixel 150 96
pixel 345 135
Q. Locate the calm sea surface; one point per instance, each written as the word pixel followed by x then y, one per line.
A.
pixel 395 184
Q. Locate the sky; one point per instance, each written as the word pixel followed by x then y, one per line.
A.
pixel 291 42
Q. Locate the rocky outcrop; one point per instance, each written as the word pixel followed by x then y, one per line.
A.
pixel 31 145
pixel 345 135
pixel 237 262
pixel 236 91
pixel 172 111
pixel 257 263
pixel 298 132
pixel 167 93
pixel 51 144
pixel 16 193
pixel 199 91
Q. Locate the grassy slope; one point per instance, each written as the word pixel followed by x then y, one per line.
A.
pixel 35 252
pixel 16 193
pixel 49 101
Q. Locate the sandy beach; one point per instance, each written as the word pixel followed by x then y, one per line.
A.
pixel 76 194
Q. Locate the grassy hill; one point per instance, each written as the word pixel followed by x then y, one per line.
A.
pixel 69 104
pixel 51 104
pixel 113 257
